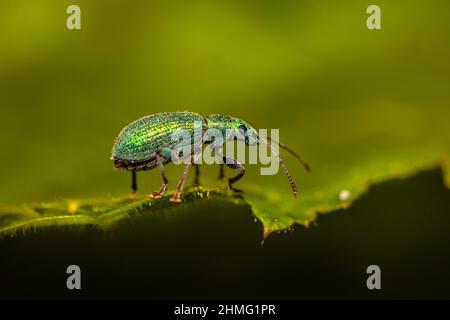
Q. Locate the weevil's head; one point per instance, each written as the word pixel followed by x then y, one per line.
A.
pixel 238 129
pixel 233 128
pixel 246 131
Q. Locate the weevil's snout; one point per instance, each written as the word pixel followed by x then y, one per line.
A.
pixel 252 138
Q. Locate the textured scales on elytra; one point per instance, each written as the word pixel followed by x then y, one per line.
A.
pixel 147 143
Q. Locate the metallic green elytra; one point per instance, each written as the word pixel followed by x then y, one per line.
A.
pixel 139 142
pixel 147 143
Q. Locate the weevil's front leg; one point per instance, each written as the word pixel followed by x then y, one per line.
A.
pixel 133 182
pixel 177 195
pixel 233 164
pixel 162 190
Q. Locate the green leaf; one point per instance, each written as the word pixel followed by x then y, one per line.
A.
pixel 279 210
pixel 103 214
pixel 276 210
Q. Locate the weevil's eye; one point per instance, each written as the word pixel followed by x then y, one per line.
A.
pixel 242 129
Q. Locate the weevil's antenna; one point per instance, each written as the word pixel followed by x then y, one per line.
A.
pixel 295 154
pixel 286 172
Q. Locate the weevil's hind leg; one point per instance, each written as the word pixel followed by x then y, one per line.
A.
pixel 221 171
pixel 197 174
pixel 165 182
pixel 177 195
pixel 233 164
pixel 133 182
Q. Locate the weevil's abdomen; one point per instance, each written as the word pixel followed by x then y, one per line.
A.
pixel 137 144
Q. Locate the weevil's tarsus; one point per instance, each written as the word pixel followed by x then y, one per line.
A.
pixel 292 152
pixel 286 172
pixel 176 197
pixel 165 182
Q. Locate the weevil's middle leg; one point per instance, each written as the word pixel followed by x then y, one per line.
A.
pixel 165 182
pixel 221 171
pixel 197 174
pixel 177 195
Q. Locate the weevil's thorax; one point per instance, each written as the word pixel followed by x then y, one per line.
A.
pixel 219 123
pixel 233 128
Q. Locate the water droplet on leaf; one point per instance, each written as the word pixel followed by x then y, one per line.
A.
pixel 344 195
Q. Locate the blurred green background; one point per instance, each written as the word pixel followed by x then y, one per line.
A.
pixel 342 95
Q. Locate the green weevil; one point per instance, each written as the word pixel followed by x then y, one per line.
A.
pixel 147 143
